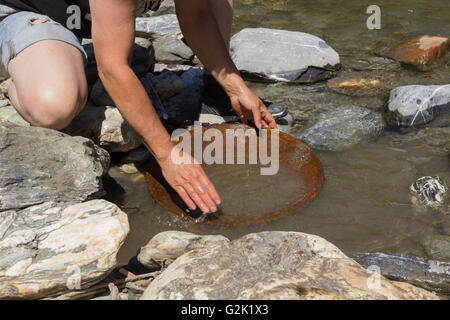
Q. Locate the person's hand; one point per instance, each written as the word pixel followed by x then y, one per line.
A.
pixel 250 108
pixel 189 180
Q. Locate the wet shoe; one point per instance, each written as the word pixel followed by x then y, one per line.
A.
pixel 215 101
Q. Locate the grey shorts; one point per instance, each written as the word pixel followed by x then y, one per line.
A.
pixel 17 32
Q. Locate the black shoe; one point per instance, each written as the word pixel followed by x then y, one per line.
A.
pixel 215 101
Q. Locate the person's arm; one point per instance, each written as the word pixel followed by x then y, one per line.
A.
pixel 113 32
pixel 203 35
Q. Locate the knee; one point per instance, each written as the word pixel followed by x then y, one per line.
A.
pixel 54 109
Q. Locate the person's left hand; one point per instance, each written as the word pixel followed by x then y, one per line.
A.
pixel 250 108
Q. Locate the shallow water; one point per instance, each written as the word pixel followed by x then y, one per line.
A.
pixel 365 204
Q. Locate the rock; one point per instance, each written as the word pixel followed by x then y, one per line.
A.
pixel 184 108
pixel 156 27
pixel 166 7
pixel 99 96
pixel 4 103
pixel 106 127
pixel 210 119
pixel 172 50
pixel 274 265
pixel 430 190
pixel 428 274
pixel 170 245
pixel 437 247
pixel 53 247
pixel 420 51
pixel 10 114
pixel 4 85
pixel 128 168
pixel 417 104
pixel 142 60
pixel 433 140
pixel 342 128
pixel 279 55
pixel 39 165
pixel 354 85
pixel 167 84
pixel 177 68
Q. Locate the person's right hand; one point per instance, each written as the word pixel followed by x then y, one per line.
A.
pixel 189 180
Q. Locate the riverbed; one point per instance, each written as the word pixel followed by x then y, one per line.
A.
pixel 365 204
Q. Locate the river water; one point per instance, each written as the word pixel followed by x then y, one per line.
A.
pixel 365 204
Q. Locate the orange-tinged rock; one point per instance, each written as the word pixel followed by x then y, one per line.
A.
pixel 420 51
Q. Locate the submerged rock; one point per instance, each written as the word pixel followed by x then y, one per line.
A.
pixel 430 190
pixel 366 85
pixel 274 265
pixel 428 274
pixel 279 55
pixel 156 27
pixel 342 128
pixel 433 140
pixel 169 245
pixel 420 51
pixel 417 104
pixel 437 247
pixel 55 247
pixel 39 165
pixel 106 127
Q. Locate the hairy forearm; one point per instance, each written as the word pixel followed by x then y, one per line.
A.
pixel 134 104
pixel 203 35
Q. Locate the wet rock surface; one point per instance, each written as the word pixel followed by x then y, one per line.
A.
pixel 437 247
pixel 167 246
pixel 342 128
pixel 278 55
pixel 273 265
pixel 39 165
pixel 54 247
pixel 417 104
pixel 430 190
pixel 428 274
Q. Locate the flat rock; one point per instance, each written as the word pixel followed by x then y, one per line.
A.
pixel 279 55
pixel 159 26
pixel 169 245
pixel 9 113
pixel 417 104
pixel 274 265
pixel 420 51
pixel 362 84
pixel 172 50
pixel 39 165
pixel 342 128
pixel 106 127
pixel 437 247
pixel 428 274
pixel 56 247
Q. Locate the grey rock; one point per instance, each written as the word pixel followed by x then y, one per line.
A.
pixel 273 265
pixel 4 85
pixel 139 155
pixel 172 50
pixel 10 114
pixel 430 190
pixel 4 103
pixel 437 247
pixel 428 274
pixel 177 68
pixel 166 7
pixel 279 55
pixel 167 84
pixel 39 165
pixel 106 127
pixel 342 128
pixel 431 140
pixel 184 108
pixel 56 247
pixel 170 245
pixel 417 104
pixel 156 27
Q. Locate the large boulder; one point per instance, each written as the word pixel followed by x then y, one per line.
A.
pixel 9 113
pixel 274 265
pixel 279 55
pixel 106 127
pixel 156 27
pixel 428 274
pixel 417 104
pixel 341 128
pixel 55 247
pixel 169 245
pixel 39 165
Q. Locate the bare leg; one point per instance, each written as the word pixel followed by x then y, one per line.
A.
pixel 48 85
